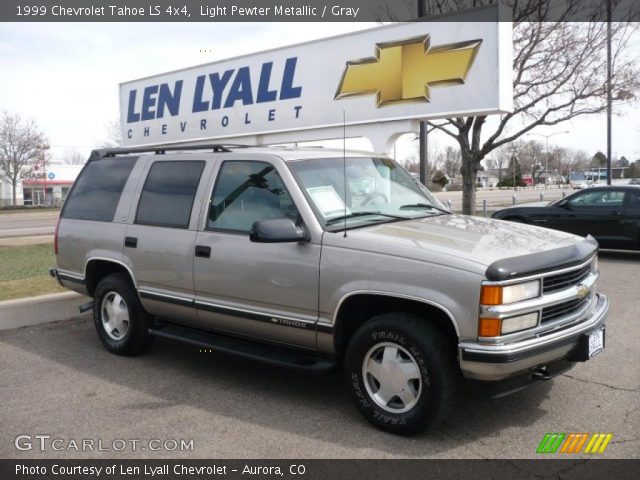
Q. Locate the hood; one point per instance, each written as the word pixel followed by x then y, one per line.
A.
pixel 477 240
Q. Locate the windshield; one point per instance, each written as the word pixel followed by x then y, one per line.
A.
pixel 378 190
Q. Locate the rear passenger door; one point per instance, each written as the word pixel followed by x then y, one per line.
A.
pixel 161 234
pixel 263 290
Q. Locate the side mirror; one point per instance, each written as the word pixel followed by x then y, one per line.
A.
pixel 565 205
pixel 277 230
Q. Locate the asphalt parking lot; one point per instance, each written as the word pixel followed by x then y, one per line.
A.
pixel 58 380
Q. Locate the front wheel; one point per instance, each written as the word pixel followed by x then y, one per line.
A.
pixel 119 317
pixel 401 372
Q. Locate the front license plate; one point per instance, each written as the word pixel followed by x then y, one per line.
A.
pixel 596 342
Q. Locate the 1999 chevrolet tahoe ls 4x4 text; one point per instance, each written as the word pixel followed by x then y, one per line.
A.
pixel 304 258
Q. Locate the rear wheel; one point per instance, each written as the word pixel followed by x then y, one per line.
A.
pixel 402 373
pixel 121 321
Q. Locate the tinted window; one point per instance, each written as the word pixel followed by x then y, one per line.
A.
pixel 168 194
pixel 96 192
pixel 633 200
pixel 246 192
pixel 601 198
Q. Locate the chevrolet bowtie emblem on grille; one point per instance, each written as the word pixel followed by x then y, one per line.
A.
pixel 583 292
pixel 404 71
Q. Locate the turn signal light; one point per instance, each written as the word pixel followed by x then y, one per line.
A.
pixel 489 327
pixel 491 295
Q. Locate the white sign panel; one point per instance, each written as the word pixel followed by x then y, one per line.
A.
pixel 396 72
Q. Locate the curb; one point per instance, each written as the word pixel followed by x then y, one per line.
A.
pixel 51 307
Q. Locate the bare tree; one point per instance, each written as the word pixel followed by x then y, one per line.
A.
pixel 532 158
pixel 434 153
pixel 573 160
pixel 74 157
pixel 559 73
pixel 114 135
pixel 22 145
pixel 452 161
pixel 499 160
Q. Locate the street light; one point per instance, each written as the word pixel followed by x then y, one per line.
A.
pixel 547 137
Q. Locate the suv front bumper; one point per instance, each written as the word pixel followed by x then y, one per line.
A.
pixel 498 362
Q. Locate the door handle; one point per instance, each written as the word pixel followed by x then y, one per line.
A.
pixel 616 214
pixel 131 242
pixel 202 251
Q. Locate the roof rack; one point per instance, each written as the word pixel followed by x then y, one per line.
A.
pixel 159 150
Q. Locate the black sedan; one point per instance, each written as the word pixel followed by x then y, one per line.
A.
pixel 611 214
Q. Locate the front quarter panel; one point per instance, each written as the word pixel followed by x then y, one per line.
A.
pixel 345 271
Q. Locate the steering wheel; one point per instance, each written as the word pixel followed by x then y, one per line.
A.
pixel 372 196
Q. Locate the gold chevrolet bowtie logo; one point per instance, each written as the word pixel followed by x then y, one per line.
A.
pixel 404 71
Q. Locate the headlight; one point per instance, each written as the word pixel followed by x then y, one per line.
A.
pixel 500 295
pixel 594 266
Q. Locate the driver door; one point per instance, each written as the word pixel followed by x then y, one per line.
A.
pixel 263 290
pixel 598 213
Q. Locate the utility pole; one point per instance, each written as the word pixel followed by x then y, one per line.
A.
pixel 423 134
pixel 546 157
pixel 44 147
pixel 514 160
pixel 609 93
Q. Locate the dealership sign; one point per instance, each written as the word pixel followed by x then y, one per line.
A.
pixel 396 72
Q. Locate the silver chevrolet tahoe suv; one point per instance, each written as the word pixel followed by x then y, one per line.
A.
pixel 315 259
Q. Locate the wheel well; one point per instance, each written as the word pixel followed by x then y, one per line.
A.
pixel 98 269
pixel 357 309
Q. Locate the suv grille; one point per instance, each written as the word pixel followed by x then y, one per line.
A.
pixel 565 280
pixel 561 309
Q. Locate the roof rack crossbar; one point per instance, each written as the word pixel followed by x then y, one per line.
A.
pixel 159 150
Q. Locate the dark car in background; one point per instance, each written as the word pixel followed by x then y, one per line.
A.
pixel 611 214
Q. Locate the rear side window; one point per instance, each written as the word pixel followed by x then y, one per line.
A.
pixel 96 193
pixel 168 194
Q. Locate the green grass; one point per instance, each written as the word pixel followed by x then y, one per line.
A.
pixel 24 271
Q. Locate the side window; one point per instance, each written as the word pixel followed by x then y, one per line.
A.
pixel 601 198
pixel 96 193
pixel 246 192
pixel 633 200
pixel 168 193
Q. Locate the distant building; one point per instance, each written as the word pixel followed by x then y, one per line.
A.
pixel 39 188
pixel 596 175
pixel 488 178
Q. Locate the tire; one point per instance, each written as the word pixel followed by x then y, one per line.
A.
pixel 432 380
pixel 119 317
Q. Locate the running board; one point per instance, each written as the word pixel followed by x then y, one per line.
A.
pixel 280 356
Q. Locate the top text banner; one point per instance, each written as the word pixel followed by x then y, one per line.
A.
pixel 396 72
pixel 307 11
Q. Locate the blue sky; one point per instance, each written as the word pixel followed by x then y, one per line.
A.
pixel 65 75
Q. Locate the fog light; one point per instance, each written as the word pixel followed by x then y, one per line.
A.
pixel 489 327
pixel 521 322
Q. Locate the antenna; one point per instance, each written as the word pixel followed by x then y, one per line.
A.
pixel 344 166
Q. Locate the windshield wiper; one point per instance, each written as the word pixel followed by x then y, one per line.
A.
pixel 342 218
pixel 424 205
